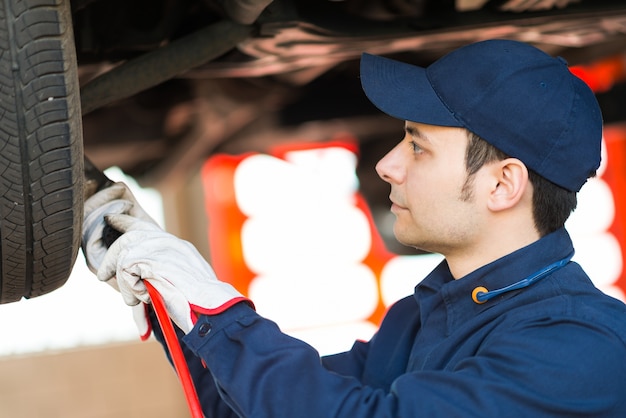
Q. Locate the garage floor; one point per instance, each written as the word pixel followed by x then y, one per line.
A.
pixel 130 380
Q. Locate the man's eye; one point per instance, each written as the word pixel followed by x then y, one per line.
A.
pixel 414 146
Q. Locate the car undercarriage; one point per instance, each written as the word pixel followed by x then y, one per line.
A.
pixel 155 87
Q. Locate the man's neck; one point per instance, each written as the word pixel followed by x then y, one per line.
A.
pixel 496 244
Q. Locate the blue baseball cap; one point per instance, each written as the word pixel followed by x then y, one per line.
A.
pixel 515 96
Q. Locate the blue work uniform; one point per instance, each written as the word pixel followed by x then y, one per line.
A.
pixel 554 348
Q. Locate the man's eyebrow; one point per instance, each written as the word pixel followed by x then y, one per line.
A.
pixel 415 133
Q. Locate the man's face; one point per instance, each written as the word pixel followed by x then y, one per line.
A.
pixel 426 171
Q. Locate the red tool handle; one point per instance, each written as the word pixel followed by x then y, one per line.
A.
pixel 176 351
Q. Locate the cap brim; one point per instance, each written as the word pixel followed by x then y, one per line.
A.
pixel 403 91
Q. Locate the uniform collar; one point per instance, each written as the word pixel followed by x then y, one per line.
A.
pixel 440 289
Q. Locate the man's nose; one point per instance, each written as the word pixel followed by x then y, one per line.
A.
pixel 388 167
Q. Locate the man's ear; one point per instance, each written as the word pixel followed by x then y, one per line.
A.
pixel 510 184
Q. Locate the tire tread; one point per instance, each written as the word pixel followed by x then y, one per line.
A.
pixel 41 156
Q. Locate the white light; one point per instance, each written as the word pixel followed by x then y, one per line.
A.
pixel 280 239
pixel 306 241
pixel 316 295
pixel 595 211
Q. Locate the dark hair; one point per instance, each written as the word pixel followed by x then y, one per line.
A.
pixel 552 204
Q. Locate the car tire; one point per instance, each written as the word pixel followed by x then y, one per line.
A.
pixel 41 158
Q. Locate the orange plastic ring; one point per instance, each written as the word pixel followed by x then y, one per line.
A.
pixel 475 293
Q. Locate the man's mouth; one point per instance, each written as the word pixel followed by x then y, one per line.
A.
pixel 395 207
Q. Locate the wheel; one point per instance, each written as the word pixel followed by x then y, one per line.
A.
pixel 41 148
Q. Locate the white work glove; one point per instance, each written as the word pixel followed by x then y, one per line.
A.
pixel 173 266
pixel 114 199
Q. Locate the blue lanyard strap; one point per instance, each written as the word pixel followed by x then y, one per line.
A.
pixel 482 295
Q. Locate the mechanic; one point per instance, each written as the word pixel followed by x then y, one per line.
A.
pixel 499 138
